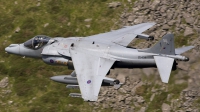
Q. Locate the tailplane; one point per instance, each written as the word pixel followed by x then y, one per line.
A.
pixel 183 49
pixel 164 65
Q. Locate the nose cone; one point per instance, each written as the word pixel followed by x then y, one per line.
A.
pixel 13 49
pixel 66 79
pixel 57 78
pixel 60 78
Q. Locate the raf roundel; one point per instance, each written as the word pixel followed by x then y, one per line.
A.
pixel 89 81
pixel 51 61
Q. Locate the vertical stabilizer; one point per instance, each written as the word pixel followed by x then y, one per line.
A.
pixel 164 46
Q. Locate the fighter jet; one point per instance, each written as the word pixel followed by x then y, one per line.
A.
pixel 92 57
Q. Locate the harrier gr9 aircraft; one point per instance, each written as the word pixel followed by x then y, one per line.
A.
pixel 92 57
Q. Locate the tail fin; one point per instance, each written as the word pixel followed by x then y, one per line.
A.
pixel 164 64
pixel 164 46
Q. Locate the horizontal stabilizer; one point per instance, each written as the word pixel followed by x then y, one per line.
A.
pixel 75 95
pixel 164 65
pixel 183 49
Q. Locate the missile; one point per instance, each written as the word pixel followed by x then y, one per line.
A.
pixel 66 79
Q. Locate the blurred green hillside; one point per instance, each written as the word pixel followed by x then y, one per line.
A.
pixel 20 20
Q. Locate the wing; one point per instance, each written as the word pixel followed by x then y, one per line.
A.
pixel 122 36
pixel 90 70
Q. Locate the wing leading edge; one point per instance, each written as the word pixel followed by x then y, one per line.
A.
pixel 90 71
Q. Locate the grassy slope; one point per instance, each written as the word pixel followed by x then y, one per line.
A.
pixel 29 78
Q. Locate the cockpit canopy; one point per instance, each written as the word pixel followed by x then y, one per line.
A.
pixel 37 42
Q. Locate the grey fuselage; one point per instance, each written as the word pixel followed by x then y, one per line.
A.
pixel 57 52
pixel 126 57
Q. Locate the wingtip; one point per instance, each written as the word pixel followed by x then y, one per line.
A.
pixel 165 81
pixel 192 47
pixel 152 23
